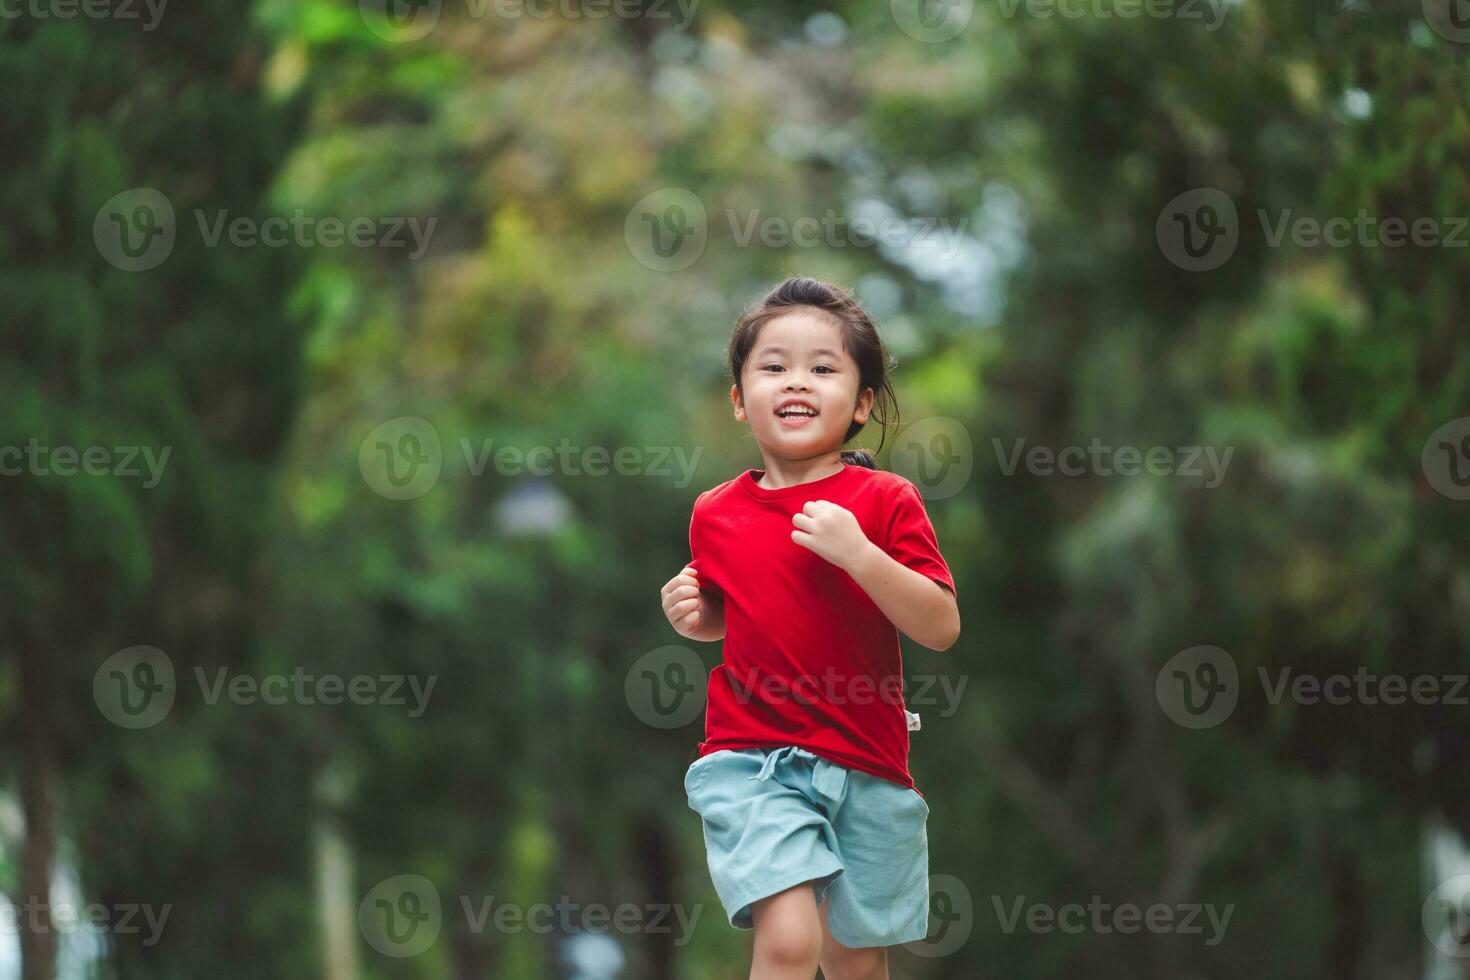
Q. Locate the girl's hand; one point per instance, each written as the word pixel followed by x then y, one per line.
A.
pixel 689 611
pixel 831 531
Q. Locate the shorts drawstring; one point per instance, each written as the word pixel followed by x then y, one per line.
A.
pixel 768 768
pixel 829 780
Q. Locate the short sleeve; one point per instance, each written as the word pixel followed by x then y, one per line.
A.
pixel 911 540
pixel 696 552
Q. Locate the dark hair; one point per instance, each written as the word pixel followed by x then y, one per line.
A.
pixel 859 337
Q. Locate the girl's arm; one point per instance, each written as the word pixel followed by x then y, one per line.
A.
pixel 922 609
pixel 692 611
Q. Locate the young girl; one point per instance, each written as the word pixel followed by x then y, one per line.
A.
pixel 807 570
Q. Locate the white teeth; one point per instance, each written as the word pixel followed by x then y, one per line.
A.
pixel 796 410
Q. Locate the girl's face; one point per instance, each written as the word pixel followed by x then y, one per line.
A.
pixel 800 387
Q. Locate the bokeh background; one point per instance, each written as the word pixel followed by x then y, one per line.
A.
pixel 319 650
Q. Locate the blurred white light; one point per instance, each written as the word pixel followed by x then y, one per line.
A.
pixel 592 956
pixel 826 28
pixel 533 506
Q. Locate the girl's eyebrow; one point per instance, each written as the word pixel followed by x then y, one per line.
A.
pixel 827 351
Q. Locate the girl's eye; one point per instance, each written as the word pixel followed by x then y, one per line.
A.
pixel 770 366
pixel 822 367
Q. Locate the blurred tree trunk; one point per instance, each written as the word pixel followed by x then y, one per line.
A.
pixel 334 899
pixel 1350 914
pixel 335 874
pixel 38 800
pixel 652 849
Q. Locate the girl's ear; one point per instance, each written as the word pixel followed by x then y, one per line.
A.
pixel 864 406
pixel 737 402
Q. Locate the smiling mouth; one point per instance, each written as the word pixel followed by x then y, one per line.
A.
pixel 795 416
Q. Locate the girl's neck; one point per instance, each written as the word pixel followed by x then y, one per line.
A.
pixel 782 473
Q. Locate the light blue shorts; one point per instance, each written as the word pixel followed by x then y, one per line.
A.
pixel 774 818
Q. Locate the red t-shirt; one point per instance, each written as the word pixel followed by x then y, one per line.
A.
pixel 809 659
